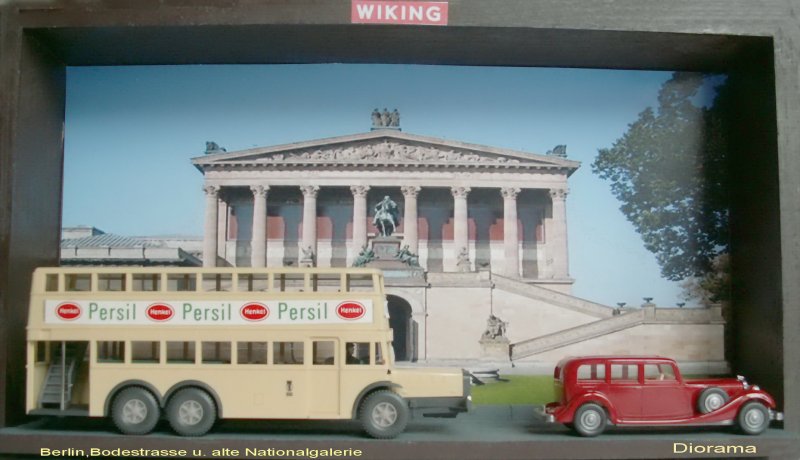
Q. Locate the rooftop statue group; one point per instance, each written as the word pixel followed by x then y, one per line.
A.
pixel 385 119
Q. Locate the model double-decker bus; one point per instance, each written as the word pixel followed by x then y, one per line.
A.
pixel 195 345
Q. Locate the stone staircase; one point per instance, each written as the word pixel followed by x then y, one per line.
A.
pixel 576 334
pixel 552 297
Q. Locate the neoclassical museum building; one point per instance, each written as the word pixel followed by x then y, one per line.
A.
pixel 489 227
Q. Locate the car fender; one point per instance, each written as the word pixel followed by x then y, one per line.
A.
pixel 590 397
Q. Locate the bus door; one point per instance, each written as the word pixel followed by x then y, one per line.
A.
pixel 324 380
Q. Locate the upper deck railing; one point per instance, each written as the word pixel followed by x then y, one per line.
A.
pixel 205 280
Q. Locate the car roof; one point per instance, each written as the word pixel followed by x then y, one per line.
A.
pixel 636 358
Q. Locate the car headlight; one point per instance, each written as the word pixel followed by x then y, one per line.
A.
pixel 744 382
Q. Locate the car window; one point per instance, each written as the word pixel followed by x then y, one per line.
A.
pixel 625 372
pixel 592 372
pixel 659 372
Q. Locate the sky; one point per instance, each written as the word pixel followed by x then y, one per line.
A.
pixel 131 132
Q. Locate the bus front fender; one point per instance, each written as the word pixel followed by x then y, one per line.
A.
pixel 384 384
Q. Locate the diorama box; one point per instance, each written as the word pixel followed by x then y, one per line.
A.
pixel 756 42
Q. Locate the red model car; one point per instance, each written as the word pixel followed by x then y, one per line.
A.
pixel 649 391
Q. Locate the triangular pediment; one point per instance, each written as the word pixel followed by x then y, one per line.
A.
pixel 384 147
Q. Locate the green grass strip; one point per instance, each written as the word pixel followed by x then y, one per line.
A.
pixel 520 389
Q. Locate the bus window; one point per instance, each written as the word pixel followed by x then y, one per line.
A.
pixel 41 352
pixel 360 282
pixel 287 353
pixel 217 282
pixel 357 353
pixel 181 282
pixel 253 282
pixel 289 282
pixel 180 352
pixel 144 352
pixel 78 282
pixel 146 282
pixel 110 352
pixel 324 352
pixel 326 282
pixel 51 283
pixel 216 352
pixel 111 282
pixel 379 354
pixel 251 352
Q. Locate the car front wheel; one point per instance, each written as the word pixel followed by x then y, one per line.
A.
pixel 589 420
pixel 753 418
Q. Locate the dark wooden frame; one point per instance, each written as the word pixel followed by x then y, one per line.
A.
pixel 760 41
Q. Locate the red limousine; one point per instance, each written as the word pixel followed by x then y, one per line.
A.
pixel 649 391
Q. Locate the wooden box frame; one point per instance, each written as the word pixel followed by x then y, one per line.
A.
pixel 758 40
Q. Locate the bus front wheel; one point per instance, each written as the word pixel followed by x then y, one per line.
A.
pixel 135 411
pixel 384 414
pixel 191 412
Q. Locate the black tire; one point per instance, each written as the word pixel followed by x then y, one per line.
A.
pixel 135 411
pixel 383 414
pixel 191 412
pixel 753 418
pixel 711 399
pixel 589 420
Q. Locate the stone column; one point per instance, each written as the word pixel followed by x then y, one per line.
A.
pixel 510 232
pixel 359 218
pixel 410 231
pixel 210 226
pixel 308 246
pixel 461 228
pixel 557 234
pixel 258 246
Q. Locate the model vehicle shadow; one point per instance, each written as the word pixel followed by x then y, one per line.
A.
pixel 333 429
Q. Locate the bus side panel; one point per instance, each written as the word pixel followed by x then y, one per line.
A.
pixel 244 392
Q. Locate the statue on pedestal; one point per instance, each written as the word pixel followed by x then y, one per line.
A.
pixel 307 257
pixel 495 329
pixel 387 216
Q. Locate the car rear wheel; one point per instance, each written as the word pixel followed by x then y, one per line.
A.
pixel 191 412
pixel 135 411
pixel 753 418
pixel 711 399
pixel 589 420
pixel 383 414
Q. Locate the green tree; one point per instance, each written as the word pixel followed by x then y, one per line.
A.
pixel 669 171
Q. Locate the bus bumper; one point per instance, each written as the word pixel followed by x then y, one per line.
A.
pixel 440 407
pixel 444 407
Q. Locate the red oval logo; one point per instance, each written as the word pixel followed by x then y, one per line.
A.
pixel 254 312
pixel 160 312
pixel 350 310
pixel 68 311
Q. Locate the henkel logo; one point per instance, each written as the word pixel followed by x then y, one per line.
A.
pixel 350 310
pixel 254 312
pixel 68 311
pixel 160 312
pixel 398 12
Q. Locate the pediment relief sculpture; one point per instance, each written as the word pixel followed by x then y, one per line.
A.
pixel 388 151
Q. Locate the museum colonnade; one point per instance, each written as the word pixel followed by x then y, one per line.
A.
pixel 555 225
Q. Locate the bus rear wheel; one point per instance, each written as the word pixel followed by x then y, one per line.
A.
pixel 383 414
pixel 191 412
pixel 135 411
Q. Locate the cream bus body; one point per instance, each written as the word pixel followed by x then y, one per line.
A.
pixel 238 343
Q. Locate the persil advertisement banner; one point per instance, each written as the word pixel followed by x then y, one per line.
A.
pixel 220 313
